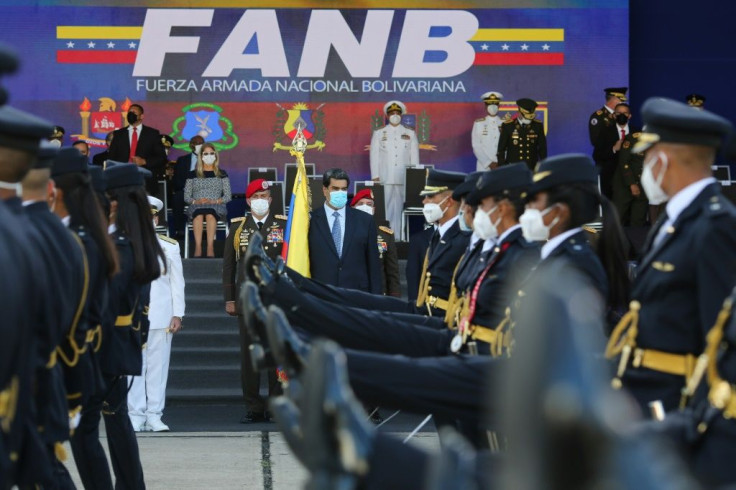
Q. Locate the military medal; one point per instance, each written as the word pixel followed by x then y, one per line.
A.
pixel 456 344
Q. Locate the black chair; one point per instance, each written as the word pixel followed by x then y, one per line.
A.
pixel 290 174
pixel 722 173
pixel 315 185
pixel 415 180
pixel 265 173
pixel 277 197
pixel 378 198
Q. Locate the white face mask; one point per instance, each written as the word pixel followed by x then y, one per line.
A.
pixel 197 149
pixel 208 159
pixel 259 206
pixel 394 119
pixel 533 227
pixel 365 208
pixel 54 143
pixel 492 109
pixel 433 212
pixel 653 188
pixel 523 120
pixel 483 226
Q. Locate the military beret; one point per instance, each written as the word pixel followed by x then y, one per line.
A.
pixel 57 132
pixel 46 155
pixel 394 105
pixel 491 98
pixel 468 184
pixel 122 175
pixel 669 121
pixel 68 161
pixel 507 180
pixel 619 92
pixel 97 178
pixel 527 106
pixel 156 204
pixel 440 181
pixel 568 168
pixel 20 130
pixel 255 186
pixel 695 100
pixel 366 193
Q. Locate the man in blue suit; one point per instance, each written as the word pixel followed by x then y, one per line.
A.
pixel 342 240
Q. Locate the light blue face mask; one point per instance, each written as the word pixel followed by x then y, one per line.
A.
pixel 338 199
pixel 461 221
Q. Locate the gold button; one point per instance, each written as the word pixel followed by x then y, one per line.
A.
pixel 616 384
pixel 635 305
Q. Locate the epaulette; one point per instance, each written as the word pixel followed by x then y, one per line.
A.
pixel 234 220
pixel 280 216
pixel 386 229
pixel 598 112
pixel 509 121
pixel 167 239
pixel 590 229
pixel 480 119
pixel 715 207
pixel 575 246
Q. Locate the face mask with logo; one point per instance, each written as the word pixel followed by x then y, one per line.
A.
pixel 132 118
pixel 259 206
pixel 483 226
pixel 394 119
pixel 621 119
pixel 492 109
pixel 197 149
pixel 433 211
pixel 533 227
pixel 338 199
pixel 209 159
pixel 653 187
pixel 461 221
pixel 365 208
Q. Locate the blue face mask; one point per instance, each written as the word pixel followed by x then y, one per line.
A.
pixel 461 221
pixel 338 199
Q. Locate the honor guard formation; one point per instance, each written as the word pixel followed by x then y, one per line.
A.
pixel 545 357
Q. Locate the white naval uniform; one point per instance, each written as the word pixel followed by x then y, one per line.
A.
pixel 393 148
pixel 147 395
pixel 485 135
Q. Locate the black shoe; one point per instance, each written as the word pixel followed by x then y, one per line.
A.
pixel 251 417
pixel 287 348
pixel 267 416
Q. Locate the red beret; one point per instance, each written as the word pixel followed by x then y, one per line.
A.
pixel 255 186
pixel 366 193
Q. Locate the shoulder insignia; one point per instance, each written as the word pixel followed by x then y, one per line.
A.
pixel 167 239
pixel 386 229
pixel 235 220
pixel 509 121
pixel 480 119
pixel 593 122
pixel 635 135
pixel 598 112
pixel 590 229
pixel 280 216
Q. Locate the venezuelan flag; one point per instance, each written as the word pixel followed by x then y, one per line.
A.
pixel 519 46
pixel 296 242
pixel 97 44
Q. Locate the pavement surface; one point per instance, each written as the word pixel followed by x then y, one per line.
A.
pixel 208 448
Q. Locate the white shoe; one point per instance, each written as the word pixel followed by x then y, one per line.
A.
pixel 157 426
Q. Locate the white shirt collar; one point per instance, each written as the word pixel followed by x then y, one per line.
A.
pixel 473 240
pixel 329 211
pixel 137 129
pixel 66 220
pixel 262 220
pixel 625 128
pixel 677 203
pixel 28 202
pixel 498 240
pixel 610 111
pixel 446 226
pixel 555 242
pixel 112 228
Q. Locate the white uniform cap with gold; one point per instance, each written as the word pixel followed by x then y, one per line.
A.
pixel 156 204
pixel 492 97
pixel 394 105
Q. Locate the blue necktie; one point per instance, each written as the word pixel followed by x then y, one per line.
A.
pixel 336 232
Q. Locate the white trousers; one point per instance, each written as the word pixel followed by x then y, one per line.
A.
pixel 394 196
pixel 147 395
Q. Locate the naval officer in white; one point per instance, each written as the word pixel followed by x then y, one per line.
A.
pixel 393 148
pixel 147 394
pixel 486 133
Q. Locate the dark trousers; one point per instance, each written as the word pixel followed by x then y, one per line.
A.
pixel 361 329
pixel 607 170
pixel 88 453
pixel 250 378
pixel 631 210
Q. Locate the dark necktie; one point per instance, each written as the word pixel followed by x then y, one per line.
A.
pixel 435 240
pixel 260 224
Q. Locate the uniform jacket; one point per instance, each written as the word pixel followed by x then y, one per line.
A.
pixel 522 143
pixel 607 136
pixel 389 261
pixel 149 148
pixel 167 292
pixel 418 244
pixel 681 283
pixel 236 245
pixel 359 267
pixel 444 258
pixel 599 120
pixel 630 164
pixel 484 137
pixel 393 148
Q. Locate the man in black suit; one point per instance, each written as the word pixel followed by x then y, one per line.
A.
pixel 342 240
pixel 185 165
pixel 100 158
pixel 139 144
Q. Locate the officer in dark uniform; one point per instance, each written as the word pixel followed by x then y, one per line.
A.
pixel 604 134
pixel 628 196
pixel 57 366
pixel 271 228
pixel 363 201
pixel 522 138
pixel 603 117
pixel 56 138
pixel 689 260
